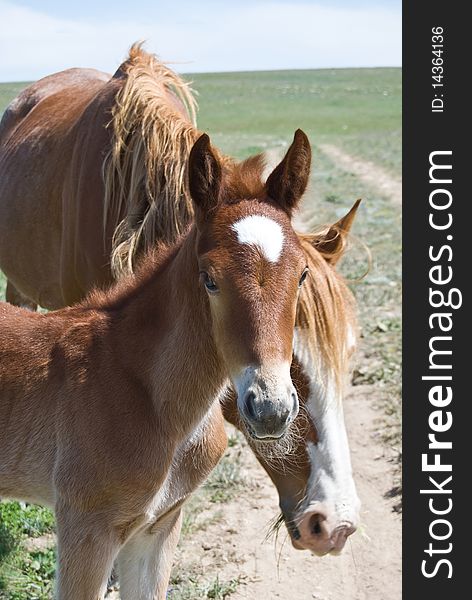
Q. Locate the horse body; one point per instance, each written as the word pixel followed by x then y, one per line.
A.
pixel 57 406
pixel 53 228
pixel 117 463
pixel 35 223
pixel 109 409
pixel 84 156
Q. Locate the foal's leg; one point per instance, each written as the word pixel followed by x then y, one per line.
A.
pixel 13 296
pixel 87 548
pixel 145 561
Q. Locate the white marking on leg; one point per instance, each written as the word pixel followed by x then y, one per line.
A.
pixel 262 232
pixel 145 561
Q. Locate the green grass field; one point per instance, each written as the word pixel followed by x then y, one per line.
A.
pixel 357 110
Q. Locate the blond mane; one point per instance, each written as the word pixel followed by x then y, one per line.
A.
pixel 326 309
pixel 146 193
pixel 153 130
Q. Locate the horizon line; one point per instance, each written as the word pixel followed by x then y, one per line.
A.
pixel 242 71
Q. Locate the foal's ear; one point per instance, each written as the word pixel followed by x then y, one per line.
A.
pixel 332 242
pixel 287 182
pixel 204 174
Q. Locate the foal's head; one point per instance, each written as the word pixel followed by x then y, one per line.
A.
pixel 251 269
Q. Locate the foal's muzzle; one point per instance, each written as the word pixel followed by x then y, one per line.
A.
pixel 269 419
pixel 267 404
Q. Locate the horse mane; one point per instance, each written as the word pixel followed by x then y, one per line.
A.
pixel 145 176
pixel 123 290
pixel 243 180
pixel 326 309
pixel 145 170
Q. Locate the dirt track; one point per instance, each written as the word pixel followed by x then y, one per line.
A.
pixel 367 171
pixel 369 568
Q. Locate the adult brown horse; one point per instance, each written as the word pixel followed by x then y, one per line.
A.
pixel 93 167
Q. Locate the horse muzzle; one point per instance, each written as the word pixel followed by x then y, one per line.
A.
pixel 267 404
pixel 321 531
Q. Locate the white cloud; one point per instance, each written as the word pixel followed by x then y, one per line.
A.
pixel 245 37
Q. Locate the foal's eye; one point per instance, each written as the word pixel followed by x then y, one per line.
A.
pixel 208 282
pixel 303 277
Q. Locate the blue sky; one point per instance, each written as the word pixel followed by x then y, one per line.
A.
pixel 38 37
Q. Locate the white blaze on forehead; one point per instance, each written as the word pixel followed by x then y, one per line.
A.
pixel 260 231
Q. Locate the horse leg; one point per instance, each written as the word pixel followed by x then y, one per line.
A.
pixel 13 296
pixel 87 548
pixel 145 561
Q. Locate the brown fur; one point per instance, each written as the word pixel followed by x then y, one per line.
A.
pixel 326 308
pixel 288 181
pixel 109 409
pixel 145 196
pixel 64 210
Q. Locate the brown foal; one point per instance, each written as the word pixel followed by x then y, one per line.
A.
pixel 105 406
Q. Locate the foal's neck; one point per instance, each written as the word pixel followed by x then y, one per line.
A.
pixel 167 335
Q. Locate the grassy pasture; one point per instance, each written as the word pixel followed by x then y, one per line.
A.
pixel 357 110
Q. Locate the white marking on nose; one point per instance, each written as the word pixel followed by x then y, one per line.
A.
pixel 331 481
pixel 260 231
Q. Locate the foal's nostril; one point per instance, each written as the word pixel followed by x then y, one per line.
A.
pixel 316 528
pixel 250 405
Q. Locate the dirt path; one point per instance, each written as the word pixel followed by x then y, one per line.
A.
pixel 369 568
pixel 367 171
